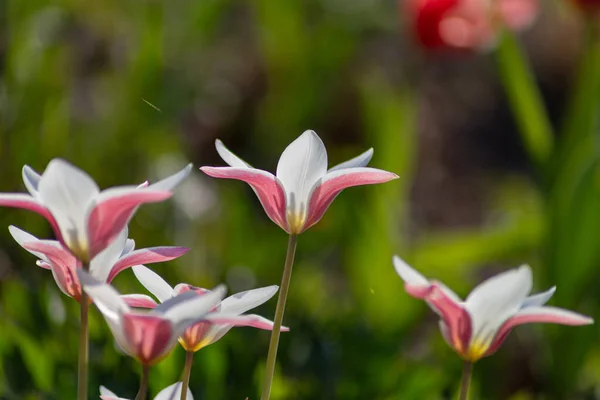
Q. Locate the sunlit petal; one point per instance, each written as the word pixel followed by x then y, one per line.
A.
pixel 153 283
pixel 359 161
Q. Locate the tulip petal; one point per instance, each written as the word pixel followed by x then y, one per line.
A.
pixel 106 298
pixel 326 190
pixel 173 392
pixel 101 265
pixel 539 299
pixel 31 179
pixel 301 165
pixel 22 237
pixel 518 14
pixel 188 308
pixel 146 256
pixel 244 301
pixel 409 275
pixel 67 191
pixel 42 264
pixel 150 337
pixel 454 315
pixel 252 320
pixel 359 161
pixel 267 188
pixel 60 261
pixel 495 300
pixel 106 394
pixel 112 212
pixel 26 202
pixel 231 159
pixel 153 282
pixel 547 315
pixel 169 183
pixel 139 300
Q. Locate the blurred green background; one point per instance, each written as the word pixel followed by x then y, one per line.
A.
pixel 131 90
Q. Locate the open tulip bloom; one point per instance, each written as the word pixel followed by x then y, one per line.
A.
pixel 85 219
pixel 203 333
pixel 118 256
pixel 477 326
pixel 303 188
pixel 172 392
pixel 149 336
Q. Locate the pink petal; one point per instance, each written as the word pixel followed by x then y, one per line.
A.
pixel 518 14
pixel 42 264
pixel 26 202
pixel 456 318
pixel 139 300
pixel 545 315
pixel 265 185
pixel 62 264
pixel 334 182
pixel 108 218
pixel 146 256
pixel 149 337
pixel 252 320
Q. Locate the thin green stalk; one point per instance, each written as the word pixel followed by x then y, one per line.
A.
pixel 283 293
pixel 466 380
pixel 525 100
pixel 187 371
pixel 82 366
pixel 143 392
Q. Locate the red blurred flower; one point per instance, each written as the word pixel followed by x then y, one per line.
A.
pixel 468 24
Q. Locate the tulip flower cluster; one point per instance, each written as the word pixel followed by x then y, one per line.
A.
pixel 92 248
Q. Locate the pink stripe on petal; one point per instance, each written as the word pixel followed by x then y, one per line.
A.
pixel 334 182
pixel 149 337
pixel 62 264
pixel 26 202
pixel 544 315
pixel 146 256
pixel 108 218
pixel 139 300
pixel 251 320
pixel 456 318
pixel 42 264
pixel 268 190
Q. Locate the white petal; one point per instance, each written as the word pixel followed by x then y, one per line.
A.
pixel 153 283
pixel 101 265
pixel 22 237
pixel 301 165
pixel 31 179
pixel 67 191
pixel 173 392
pixel 106 298
pixel 231 159
pixel 244 301
pixel 356 162
pixel 169 183
pixel 408 274
pixel 188 307
pixel 539 299
pixel 129 247
pixel 495 300
pixel 105 392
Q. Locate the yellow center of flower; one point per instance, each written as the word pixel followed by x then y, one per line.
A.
pixel 476 350
pixel 196 346
pixel 296 221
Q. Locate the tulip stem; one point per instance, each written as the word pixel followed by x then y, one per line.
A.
pixel 82 368
pixel 187 371
pixel 466 380
pixel 143 392
pixel 283 293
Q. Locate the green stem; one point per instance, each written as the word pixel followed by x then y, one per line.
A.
pixel 525 100
pixel 283 293
pixel 187 371
pixel 82 366
pixel 466 380
pixel 143 392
